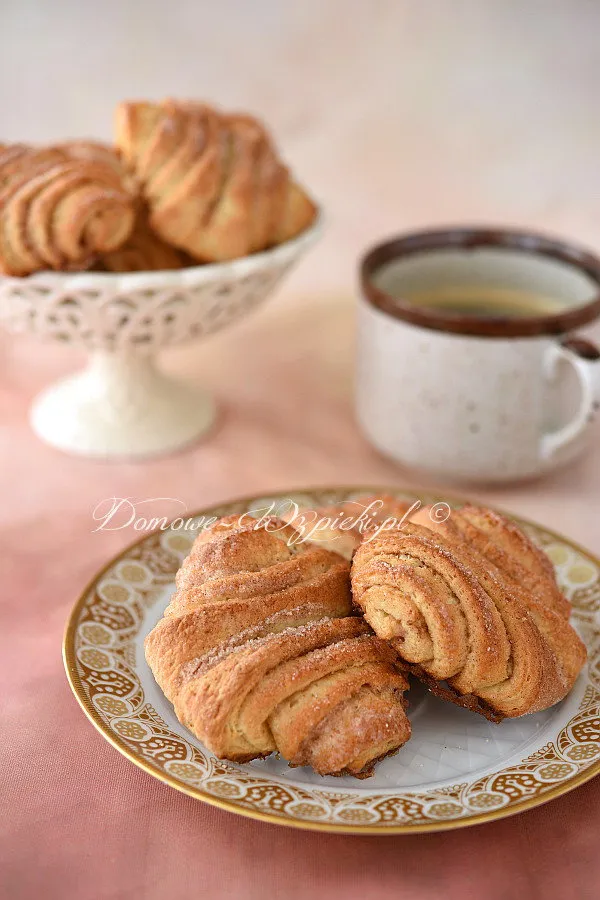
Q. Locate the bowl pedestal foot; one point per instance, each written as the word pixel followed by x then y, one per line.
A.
pixel 121 406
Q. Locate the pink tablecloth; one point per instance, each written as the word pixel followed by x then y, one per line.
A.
pixel 78 820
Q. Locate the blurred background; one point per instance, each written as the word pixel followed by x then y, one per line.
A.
pixel 395 113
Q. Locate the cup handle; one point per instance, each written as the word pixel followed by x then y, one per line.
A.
pixel 584 357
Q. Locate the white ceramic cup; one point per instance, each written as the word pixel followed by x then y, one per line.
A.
pixel 480 399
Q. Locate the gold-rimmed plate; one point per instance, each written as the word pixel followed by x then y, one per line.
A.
pixel 458 769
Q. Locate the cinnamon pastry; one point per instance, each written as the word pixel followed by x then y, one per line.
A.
pixel 258 652
pixel 93 151
pixel 143 251
pixel 214 183
pixel 16 160
pixel 341 526
pixel 58 212
pixel 472 608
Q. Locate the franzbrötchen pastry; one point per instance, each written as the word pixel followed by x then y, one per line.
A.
pixel 58 210
pixel 214 183
pixel 341 526
pixel 258 652
pixel 472 607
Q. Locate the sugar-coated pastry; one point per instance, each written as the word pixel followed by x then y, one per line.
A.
pixel 143 251
pixel 93 151
pixel 342 526
pixel 58 211
pixel 214 183
pixel 472 607
pixel 258 652
pixel 17 160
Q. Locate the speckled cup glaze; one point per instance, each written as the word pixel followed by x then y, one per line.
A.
pixel 473 399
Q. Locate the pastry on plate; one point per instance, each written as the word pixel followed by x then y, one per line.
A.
pixel 58 211
pixel 258 652
pixel 472 607
pixel 341 526
pixel 214 182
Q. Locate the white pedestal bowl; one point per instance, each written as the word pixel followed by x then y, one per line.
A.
pixel 122 405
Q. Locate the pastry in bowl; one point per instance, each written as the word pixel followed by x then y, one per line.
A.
pixel 185 184
pixel 258 652
pixel 472 608
pixel 214 182
pixel 143 251
pixel 94 151
pixel 59 210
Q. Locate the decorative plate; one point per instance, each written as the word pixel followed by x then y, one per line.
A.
pixel 458 769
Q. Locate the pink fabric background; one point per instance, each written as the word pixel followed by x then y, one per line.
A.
pixel 79 820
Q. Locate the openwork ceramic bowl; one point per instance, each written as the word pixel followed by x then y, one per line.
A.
pixel 122 405
pixel 457 769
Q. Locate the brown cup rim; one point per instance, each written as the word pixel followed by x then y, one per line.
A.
pixel 471 238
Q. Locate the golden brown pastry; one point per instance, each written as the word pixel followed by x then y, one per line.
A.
pixel 341 526
pixel 506 548
pixel 258 653
pixel 143 251
pixel 93 151
pixel 18 159
pixel 58 212
pixel 214 183
pixel 472 608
